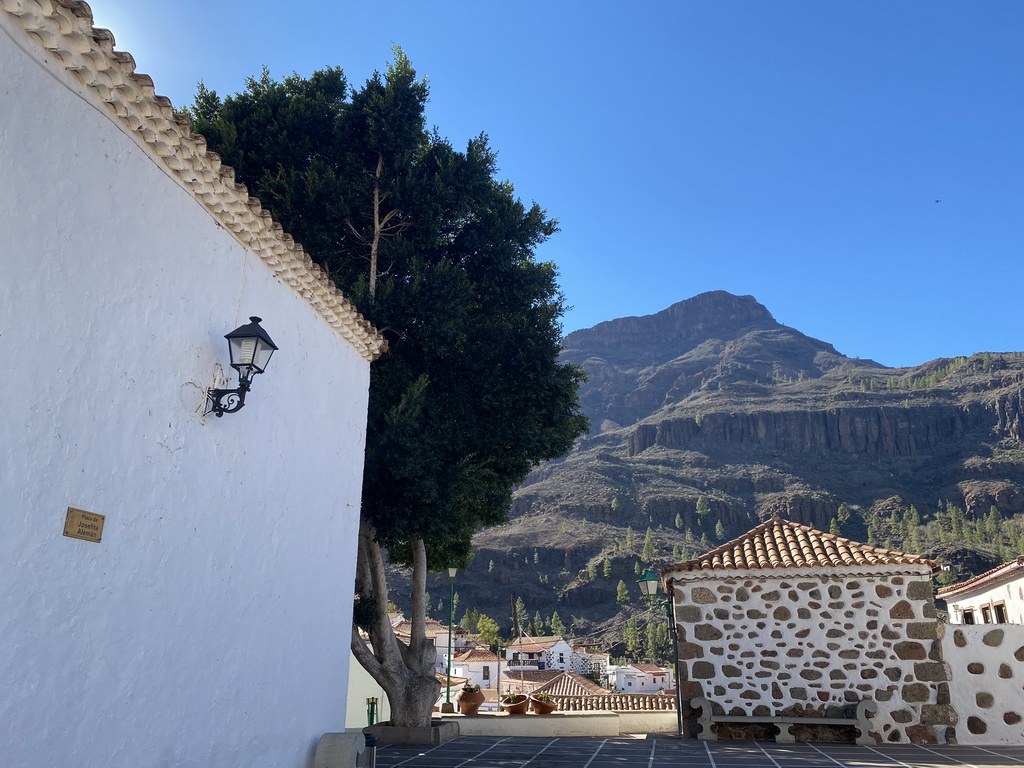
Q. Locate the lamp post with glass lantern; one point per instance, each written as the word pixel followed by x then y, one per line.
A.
pixel 648 584
pixel 447 707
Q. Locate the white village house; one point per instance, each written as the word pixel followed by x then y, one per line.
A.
pixel 539 653
pixel 993 597
pixel 642 678
pixel 194 609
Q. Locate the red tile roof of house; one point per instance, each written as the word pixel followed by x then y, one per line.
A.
pixel 1000 573
pixel 534 644
pixel 571 684
pixel 476 654
pixel 779 543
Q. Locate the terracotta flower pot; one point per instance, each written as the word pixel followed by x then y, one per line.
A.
pixel 543 707
pixel 469 701
pixel 517 706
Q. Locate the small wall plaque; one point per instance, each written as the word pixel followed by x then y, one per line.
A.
pixel 80 524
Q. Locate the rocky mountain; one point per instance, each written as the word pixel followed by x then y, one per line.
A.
pixel 709 416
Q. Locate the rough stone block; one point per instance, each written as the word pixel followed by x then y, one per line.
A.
pixel 782 613
pixel 883 591
pixel 994 638
pixel 976 668
pixel 919 590
pixel 960 641
pixel 888 633
pixel 902 716
pixel 702 670
pixel 909 651
pixel 1005 671
pixel 938 714
pixel 691 651
pixel 923 630
pixel 984 700
pixel 902 610
pixel 707 632
pixel 976 725
pixel 730 671
pixel 1019 654
pixel 689 614
pixel 703 595
pixel 1011 718
pixel 931 672
pixel 916 693
pixel 922 734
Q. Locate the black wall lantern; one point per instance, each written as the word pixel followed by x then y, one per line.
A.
pixel 250 348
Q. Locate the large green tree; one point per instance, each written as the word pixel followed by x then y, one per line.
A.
pixel 437 252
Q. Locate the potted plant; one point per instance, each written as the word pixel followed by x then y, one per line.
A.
pixel 543 703
pixel 469 699
pixel 515 703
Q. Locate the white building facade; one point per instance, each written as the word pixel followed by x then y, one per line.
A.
pixel 642 678
pixel 203 627
pixel 993 597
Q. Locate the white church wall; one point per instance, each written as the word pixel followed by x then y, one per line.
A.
pixel 210 625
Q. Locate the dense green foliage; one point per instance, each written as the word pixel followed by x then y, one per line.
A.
pixel 437 253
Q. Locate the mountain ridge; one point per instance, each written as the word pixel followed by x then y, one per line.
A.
pixel 712 399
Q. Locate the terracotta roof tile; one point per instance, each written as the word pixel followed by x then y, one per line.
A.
pixel 779 543
pixel 571 684
pixel 63 33
pixel 534 644
pixel 476 654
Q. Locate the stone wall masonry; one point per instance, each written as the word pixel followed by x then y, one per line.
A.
pixel 986 662
pixel 815 641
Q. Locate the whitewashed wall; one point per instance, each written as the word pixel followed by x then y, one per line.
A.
pixel 210 626
pixel 986 662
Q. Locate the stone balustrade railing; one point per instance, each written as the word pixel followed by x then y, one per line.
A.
pixel 617 702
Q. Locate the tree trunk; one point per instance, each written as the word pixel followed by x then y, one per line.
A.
pixel 405 672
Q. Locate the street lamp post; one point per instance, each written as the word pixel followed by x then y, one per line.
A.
pixel 648 584
pixel 447 706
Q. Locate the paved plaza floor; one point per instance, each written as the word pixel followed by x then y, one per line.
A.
pixel 652 751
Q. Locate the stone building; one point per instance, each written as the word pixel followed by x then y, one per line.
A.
pixel 789 620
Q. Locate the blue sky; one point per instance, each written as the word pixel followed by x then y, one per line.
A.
pixel 788 149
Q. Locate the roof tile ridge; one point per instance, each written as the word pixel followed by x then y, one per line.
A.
pixel 64 28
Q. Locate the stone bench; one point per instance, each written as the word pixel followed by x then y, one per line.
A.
pixel 861 720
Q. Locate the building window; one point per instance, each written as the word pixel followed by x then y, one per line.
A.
pixel 986 614
pixel 969 616
pixel 1000 610
pixel 487 673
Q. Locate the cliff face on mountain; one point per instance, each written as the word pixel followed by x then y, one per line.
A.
pixel 714 399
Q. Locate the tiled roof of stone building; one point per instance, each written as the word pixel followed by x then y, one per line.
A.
pixel 60 34
pixel 779 543
pixel 1000 573
pixel 571 684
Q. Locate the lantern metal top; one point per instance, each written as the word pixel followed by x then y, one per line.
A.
pixel 648 584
